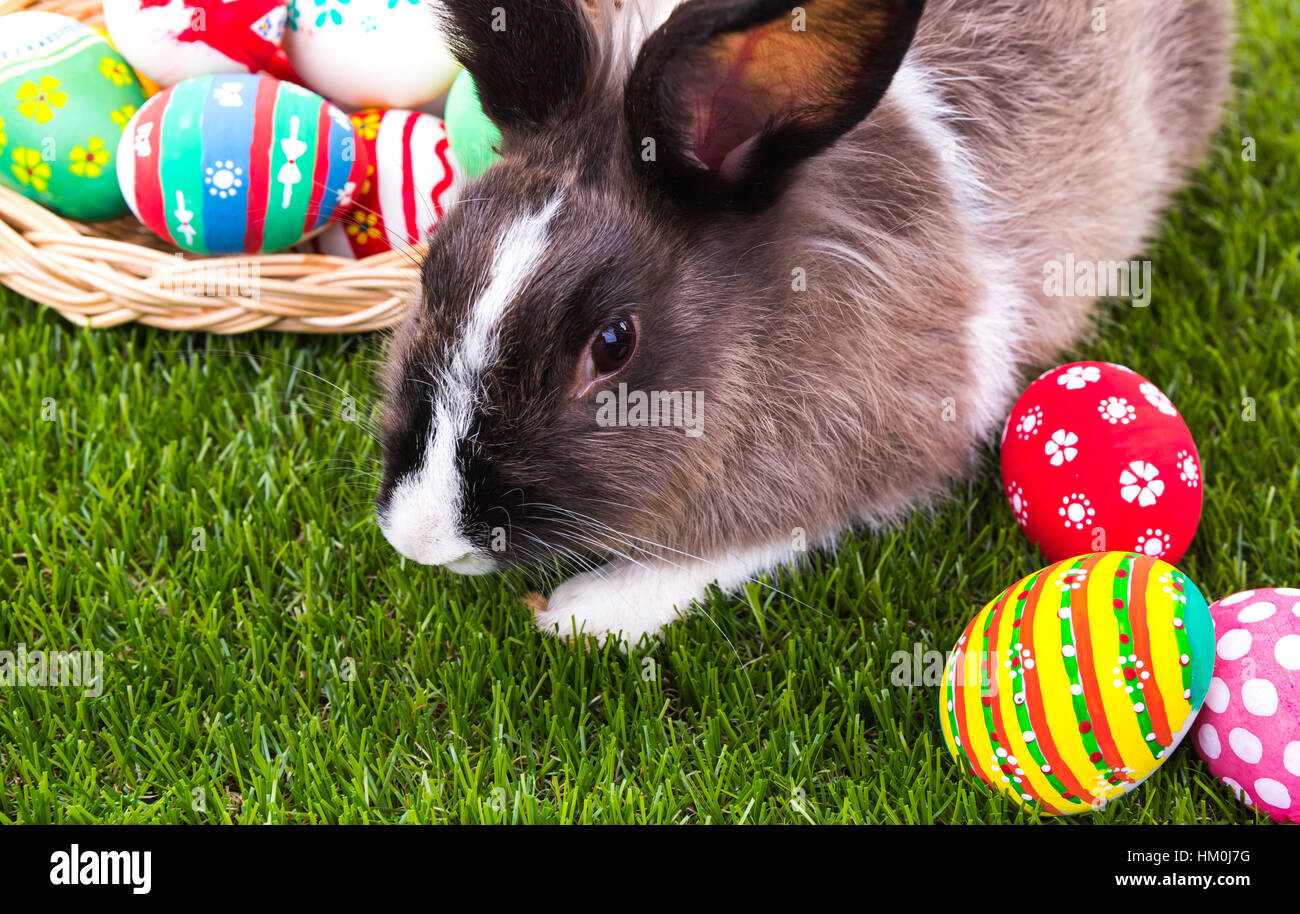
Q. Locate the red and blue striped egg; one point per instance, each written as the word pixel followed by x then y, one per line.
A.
pixel 411 178
pixel 238 163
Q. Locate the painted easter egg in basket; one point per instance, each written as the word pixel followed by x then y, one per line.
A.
pixel 369 53
pixel 411 178
pixel 1249 730
pixel 65 96
pixel 1096 457
pixel 147 85
pixel 1077 682
pixel 237 163
pixel 173 40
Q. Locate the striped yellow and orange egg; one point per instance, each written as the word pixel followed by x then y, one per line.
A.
pixel 1073 685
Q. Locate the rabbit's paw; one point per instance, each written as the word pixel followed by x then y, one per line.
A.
pixel 620 602
pixel 628 601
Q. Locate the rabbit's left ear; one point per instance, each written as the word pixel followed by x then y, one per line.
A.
pixel 529 58
pixel 733 93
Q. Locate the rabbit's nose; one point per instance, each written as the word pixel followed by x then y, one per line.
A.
pixel 452 556
pixel 426 537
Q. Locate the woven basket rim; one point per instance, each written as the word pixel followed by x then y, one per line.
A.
pixel 110 273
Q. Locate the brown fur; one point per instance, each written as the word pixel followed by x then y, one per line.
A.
pixel 830 406
pixel 1090 132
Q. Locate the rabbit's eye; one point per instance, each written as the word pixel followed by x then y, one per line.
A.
pixel 612 347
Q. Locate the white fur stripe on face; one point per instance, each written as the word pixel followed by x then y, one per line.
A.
pixel 519 247
pixel 1002 305
pixel 423 517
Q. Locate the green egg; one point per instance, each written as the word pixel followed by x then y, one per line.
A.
pixel 472 135
pixel 65 97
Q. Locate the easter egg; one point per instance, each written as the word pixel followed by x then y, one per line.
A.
pixel 238 163
pixel 147 85
pixel 1095 457
pixel 65 96
pixel 359 53
pixel 474 138
pixel 1248 733
pixel 411 178
pixel 1074 684
pixel 172 40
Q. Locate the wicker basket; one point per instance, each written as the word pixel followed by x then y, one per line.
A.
pixel 111 273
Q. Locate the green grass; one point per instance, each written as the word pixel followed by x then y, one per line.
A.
pixel 228 667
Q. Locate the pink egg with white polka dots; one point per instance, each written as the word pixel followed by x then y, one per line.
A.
pixel 1249 729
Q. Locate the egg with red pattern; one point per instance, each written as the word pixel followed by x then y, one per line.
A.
pixel 1248 733
pixel 411 178
pixel 1095 457
pixel 238 163
pixel 174 40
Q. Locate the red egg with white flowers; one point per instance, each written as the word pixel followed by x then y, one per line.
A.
pixel 1095 457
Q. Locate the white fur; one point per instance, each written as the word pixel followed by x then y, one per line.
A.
pixel 628 600
pixel 1002 307
pixel 422 521
pixel 629 27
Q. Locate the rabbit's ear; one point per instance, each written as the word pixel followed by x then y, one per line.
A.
pixel 727 95
pixel 529 58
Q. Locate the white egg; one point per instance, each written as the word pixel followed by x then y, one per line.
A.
pixel 362 53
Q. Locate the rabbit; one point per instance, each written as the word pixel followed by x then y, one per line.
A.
pixel 820 230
